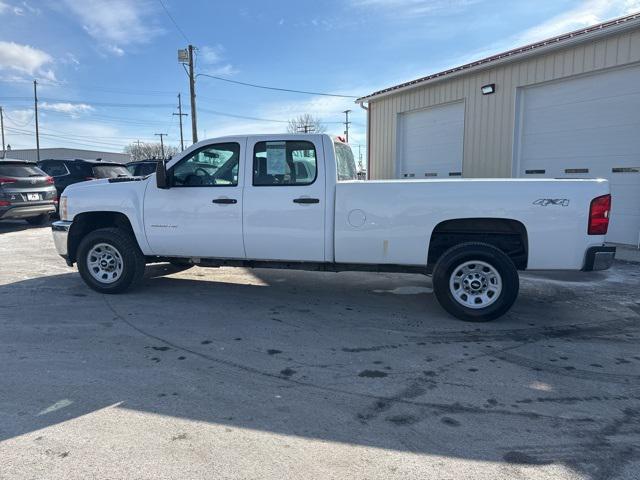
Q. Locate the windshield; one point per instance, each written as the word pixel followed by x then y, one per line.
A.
pixel 20 170
pixel 110 171
pixel 345 163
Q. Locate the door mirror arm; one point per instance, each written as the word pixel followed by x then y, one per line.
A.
pixel 163 177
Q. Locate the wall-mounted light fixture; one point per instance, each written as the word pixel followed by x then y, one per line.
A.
pixel 488 89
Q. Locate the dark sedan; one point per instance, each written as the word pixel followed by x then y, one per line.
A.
pixel 26 192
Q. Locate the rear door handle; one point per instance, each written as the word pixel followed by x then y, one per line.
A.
pixel 306 200
pixel 224 201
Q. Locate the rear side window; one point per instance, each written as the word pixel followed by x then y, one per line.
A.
pixel 18 170
pixel 282 163
pixel 110 171
pixel 345 163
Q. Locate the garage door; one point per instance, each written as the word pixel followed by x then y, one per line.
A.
pixel 430 142
pixel 583 128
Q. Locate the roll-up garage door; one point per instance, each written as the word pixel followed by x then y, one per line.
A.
pixel 586 127
pixel 430 142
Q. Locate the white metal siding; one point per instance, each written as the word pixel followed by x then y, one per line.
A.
pixel 489 119
pixel 587 127
pixel 430 141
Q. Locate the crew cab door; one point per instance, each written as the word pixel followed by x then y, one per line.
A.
pixel 284 199
pixel 200 215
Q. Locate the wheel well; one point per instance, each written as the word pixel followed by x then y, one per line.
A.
pixel 510 236
pixel 84 223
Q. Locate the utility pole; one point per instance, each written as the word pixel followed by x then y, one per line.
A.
pixel 161 135
pixel 346 124
pixel 35 105
pixel 2 128
pixel 192 90
pixel 180 115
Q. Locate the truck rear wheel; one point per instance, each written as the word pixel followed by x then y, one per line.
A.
pixel 475 282
pixel 110 261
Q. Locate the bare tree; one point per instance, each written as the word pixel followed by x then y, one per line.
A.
pixel 306 123
pixel 145 151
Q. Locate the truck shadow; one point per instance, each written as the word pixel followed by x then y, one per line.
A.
pixel 349 357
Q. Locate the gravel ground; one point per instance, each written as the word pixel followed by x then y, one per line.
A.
pixel 233 373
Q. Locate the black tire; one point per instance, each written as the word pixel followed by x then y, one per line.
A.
pixel 39 220
pixel 133 261
pixel 457 256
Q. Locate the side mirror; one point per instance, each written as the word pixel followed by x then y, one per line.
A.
pixel 162 176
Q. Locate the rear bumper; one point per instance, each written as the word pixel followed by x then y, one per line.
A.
pixel 598 258
pixel 60 231
pixel 18 212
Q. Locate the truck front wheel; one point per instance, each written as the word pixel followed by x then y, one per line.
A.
pixel 476 282
pixel 110 261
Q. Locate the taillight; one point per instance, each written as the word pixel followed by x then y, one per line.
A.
pixel 599 215
pixel 4 203
pixel 50 180
pixel 5 180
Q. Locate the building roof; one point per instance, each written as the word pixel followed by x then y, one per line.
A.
pixel 64 153
pixel 585 34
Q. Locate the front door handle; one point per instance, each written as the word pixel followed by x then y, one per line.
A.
pixel 306 200
pixel 224 201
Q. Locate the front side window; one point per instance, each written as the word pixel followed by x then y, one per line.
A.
pixel 213 165
pixel 284 163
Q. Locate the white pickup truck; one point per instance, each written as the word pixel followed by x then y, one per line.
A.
pixel 293 201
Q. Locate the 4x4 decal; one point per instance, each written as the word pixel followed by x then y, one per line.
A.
pixel 543 202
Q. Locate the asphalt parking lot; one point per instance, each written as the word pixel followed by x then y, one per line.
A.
pixel 232 373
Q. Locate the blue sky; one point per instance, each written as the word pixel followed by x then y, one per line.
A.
pixel 108 69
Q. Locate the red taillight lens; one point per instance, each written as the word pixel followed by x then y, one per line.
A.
pixel 5 180
pixel 599 215
pixel 50 180
pixel 4 203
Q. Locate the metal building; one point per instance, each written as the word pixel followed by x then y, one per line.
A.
pixel 67 154
pixel 564 107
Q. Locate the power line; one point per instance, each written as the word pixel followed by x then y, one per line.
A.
pixel 174 21
pixel 18 124
pixel 246 84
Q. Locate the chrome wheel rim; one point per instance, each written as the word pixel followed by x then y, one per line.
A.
pixel 475 284
pixel 105 263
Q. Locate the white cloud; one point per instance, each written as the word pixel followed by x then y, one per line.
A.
pixel 588 13
pixel 210 54
pixel 19 10
pixel 115 24
pixel 212 58
pixel 116 50
pixel 18 118
pixel 72 109
pixel 412 8
pixel 20 61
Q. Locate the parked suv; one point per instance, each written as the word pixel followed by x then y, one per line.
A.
pixel 67 172
pixel 142 168
pixel 26 192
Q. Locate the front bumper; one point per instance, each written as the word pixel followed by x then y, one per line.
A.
pixel 18 212
pixel 60 231
pixel 598 258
